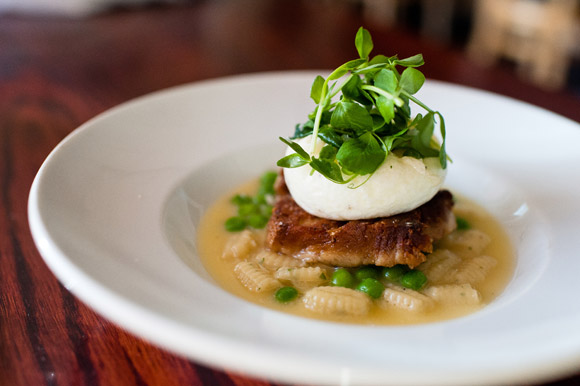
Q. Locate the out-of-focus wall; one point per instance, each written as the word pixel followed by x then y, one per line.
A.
pixel 71 8
pixel 540 38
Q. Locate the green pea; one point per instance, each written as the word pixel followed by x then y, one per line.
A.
pixel 235 224
pixel 371 287
pixel 367 271
pixel 257 221
pixel 414 279
pixel 342 278
pixel 286 294
pixel 462 224
pixel 395 272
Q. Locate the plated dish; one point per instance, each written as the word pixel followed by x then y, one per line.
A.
pixel 115 208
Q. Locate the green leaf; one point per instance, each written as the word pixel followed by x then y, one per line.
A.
pixel 386 80
pixel 345 68
pixel 297 148
pixel 330 136
pixel 405 110
pixel 410 152
pixel 370 69
pixel 303 130
pixel 379 60
pixel 411 80
pixel 442 151
pixel 386 107
pixel 413 61
pixel 421 141
pixel 291 161
pixel 316 89
pixel 350 115
pixel 328 152
pixel 389 141
pixel 324 118
pixel 378 122
pixel 363 43
pixel 328 169
pixel 350 89
pixel 362 155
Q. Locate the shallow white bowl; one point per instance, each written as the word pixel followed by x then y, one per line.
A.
pixel 115 207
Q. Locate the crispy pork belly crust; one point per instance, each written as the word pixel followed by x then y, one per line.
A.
pixel 386 241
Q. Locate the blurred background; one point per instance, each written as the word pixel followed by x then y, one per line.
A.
pixel 537 39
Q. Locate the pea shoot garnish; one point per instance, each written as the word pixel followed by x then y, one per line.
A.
pixel 363 113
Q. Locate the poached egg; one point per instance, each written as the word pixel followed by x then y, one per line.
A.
pixel 399 185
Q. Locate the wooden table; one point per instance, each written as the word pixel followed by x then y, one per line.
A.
pixel 56 73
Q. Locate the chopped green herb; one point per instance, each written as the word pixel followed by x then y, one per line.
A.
pixel 253 211
pixel 462 224
pixel 235 224
pixel 257 221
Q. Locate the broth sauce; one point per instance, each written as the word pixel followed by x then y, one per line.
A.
pixel 212 239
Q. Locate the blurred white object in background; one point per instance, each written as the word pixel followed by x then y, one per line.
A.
pixel 74 8
pixel 540 36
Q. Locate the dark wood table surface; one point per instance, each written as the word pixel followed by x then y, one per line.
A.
pixel 57 72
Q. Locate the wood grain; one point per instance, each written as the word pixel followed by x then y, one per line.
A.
pixel 56 73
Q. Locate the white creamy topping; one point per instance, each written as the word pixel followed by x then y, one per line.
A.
pixel 399 185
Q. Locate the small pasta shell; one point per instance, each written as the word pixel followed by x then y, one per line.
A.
pixel 254 277
pixel 439 264
pixel 470 242
pixel 473 270
pixel 406 299
pixel 239 245
pixel 454 294
pixel 337 301
pixel 273 261
pixel 302 277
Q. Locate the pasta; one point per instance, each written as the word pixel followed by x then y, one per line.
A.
pixel 470 242
pixel 254 277
pixel 337 301
pixel 273 261
pixel 439 265
pixel 302 276
pixel 239 246
pixel 405 298
pixel 474 270
pixel 456 294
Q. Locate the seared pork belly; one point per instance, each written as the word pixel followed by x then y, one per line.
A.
pixel 401 239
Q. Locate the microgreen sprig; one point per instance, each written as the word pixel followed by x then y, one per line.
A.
pixel 369 119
